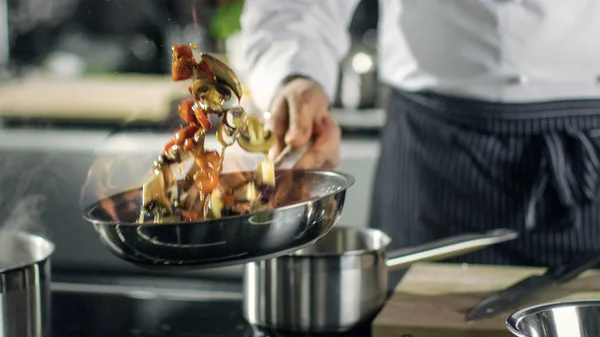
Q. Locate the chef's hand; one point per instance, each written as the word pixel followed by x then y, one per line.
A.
pixel 299 114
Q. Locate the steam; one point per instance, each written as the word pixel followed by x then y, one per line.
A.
pixel 24 217
pixel 22 203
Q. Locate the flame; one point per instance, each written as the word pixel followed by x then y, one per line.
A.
pixel 122 164
pixel 110 176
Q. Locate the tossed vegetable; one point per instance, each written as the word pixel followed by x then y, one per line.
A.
pixel 201 197
pixel 254 138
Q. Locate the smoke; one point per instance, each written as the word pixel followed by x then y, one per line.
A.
pixel 22 200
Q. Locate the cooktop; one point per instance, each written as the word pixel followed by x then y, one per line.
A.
pixel 144 310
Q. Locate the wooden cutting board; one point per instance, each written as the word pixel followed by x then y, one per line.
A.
pixel 97 98
pixel 433 299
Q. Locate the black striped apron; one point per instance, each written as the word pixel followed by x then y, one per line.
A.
pixel 450 165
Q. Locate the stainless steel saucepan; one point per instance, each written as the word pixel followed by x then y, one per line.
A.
pixel 341 279
pixel 24 285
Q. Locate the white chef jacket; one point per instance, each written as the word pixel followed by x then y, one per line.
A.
pixel 496 50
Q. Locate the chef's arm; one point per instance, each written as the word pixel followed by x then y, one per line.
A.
pixel 283 38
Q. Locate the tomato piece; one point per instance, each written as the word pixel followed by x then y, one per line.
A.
pixel 213 158
pixel 182 50
pixel 186 110
pixel 170 144
pixel 185 133
pixel 181 71
pixel 207 180
pixel 191 216
pixel 209 159
pixel 181 135
pixel 205 69
pixel 202 118
pixel 183 63
pixel 189 144
pixel 228 199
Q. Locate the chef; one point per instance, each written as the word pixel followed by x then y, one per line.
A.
pixel 493 120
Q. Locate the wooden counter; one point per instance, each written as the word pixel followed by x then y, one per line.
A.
pixel 433 299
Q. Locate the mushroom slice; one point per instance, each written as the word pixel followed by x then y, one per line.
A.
pixel 225 135
pixel 169 184
pixel 209 98
pixel 223 73
pixel 235 117
pixel 254 138
pixel 192 200
pixel 154 191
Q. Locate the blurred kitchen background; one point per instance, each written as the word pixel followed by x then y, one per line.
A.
pixel 77 74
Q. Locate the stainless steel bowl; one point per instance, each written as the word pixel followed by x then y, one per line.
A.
pixel 558 319
pixel 25 286
pixel 309 202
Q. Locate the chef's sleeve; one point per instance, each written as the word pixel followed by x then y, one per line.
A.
pixel 293 37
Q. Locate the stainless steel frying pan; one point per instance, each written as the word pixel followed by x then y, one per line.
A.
pixel 309 202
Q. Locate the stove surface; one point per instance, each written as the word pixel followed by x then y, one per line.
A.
pixel 103 315
pixel 122 310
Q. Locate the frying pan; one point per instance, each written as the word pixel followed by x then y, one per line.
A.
pixel 308 204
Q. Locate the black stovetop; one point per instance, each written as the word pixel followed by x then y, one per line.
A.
pixel 142 309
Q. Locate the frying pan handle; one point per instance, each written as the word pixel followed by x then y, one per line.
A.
pixel 446 248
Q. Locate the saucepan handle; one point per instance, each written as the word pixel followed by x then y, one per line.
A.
pixel 447 247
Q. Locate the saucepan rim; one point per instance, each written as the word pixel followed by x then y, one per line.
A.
pixel 513 319
pixel 36 240
pixel 369 232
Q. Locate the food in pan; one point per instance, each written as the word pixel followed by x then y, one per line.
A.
pixel 199 195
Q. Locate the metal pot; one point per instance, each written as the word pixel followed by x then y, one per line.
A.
pixel 340 280
pixel 25 286
pixel 559 319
